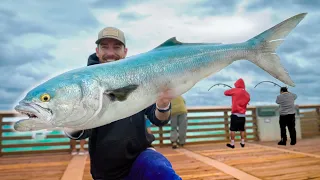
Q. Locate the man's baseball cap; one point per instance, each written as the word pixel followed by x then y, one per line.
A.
pixel 111 32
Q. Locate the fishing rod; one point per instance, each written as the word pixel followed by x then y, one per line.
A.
pixel 225 85
pixel 275 84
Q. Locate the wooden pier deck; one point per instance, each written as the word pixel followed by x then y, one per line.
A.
pixel 23 167
pixel 204 157
pixel 193 162
pixel 268 160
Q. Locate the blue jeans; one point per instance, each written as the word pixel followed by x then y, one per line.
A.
pixel 152 165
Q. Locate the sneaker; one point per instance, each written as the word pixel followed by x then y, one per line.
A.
pixel 74 153
pixel 230 146
pixel 174 145
pixel 283 143
pixel 242 145
pixel 293 143
pixel 83 152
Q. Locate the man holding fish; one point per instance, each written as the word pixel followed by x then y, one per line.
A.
pixel 122 149
pixel 104 100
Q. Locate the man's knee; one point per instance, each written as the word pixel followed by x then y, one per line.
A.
pixel 161 170
pixel 156 159
pixel 159 167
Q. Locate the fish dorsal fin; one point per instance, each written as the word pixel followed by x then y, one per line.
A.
pixel 170 42
pixel 174 42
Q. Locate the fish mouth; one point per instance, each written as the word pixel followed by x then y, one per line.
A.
pixel 34 111
pixel 30 114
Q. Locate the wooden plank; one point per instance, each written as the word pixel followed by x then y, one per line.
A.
pixel 187 168
pixel 226 125
pixel 251 157
pixel 44 167
pixel 8 130
pixel 28 165
pixel 311 133
pixel 35 152
pixel 75 168
pixel 286 150
pixel 200 136
pixel 192 130
pixel 1 135
pixel 30 137
pixel 7 123
pixel 309 106
pixel 11 114
pixel 309 120
pixel 221 166
pixel 205 117
pixel 255 130
pixel 310 145
pixel 202 142
pixel 16 137
pixel 30 158
pixel 214 108
pixel 292 170
pixel 213 117
pixel 35 144
pixel 190 168
pixel 208 123
pixel 160 136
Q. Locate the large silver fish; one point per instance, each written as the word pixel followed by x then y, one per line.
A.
pixel 97 95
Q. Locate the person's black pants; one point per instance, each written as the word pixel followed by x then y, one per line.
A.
pixel 290 121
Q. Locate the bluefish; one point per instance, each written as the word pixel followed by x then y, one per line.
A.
pixel 96 95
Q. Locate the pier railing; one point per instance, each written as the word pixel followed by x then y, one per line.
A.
pixel 205 125
pixel 310 120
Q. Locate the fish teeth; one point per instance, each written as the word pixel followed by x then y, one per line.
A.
pixel 28 114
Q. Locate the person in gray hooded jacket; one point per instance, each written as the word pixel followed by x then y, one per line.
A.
pixel 287 115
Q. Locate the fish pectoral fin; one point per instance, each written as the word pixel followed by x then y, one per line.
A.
pixel 120 94
pixel 31 125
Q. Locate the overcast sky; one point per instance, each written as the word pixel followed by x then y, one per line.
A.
pixel 40 39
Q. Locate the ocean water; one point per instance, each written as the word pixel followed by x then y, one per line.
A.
pixel 40 136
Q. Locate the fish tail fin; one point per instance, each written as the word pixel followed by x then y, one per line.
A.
pixel 265 44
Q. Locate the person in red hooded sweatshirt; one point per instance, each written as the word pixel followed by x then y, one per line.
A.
pixel 240 100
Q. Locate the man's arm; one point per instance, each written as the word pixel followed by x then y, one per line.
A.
pixel 229 92
pixel 278 100
pixel 294 96
pixel 156 117
pixel 78 135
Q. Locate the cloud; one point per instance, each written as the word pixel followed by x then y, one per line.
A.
pixel 32 30
pixel 114 5
pixel 301 42
pixel 209 8
pixel 14 55
pixel 44 38
pixel 292 5
pixel 162 22
pixel 130 16
pixel 47 17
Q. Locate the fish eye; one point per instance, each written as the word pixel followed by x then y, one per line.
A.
pixel 45 97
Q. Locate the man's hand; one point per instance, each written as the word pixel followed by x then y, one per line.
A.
pixel 163 101
pixel 165 98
